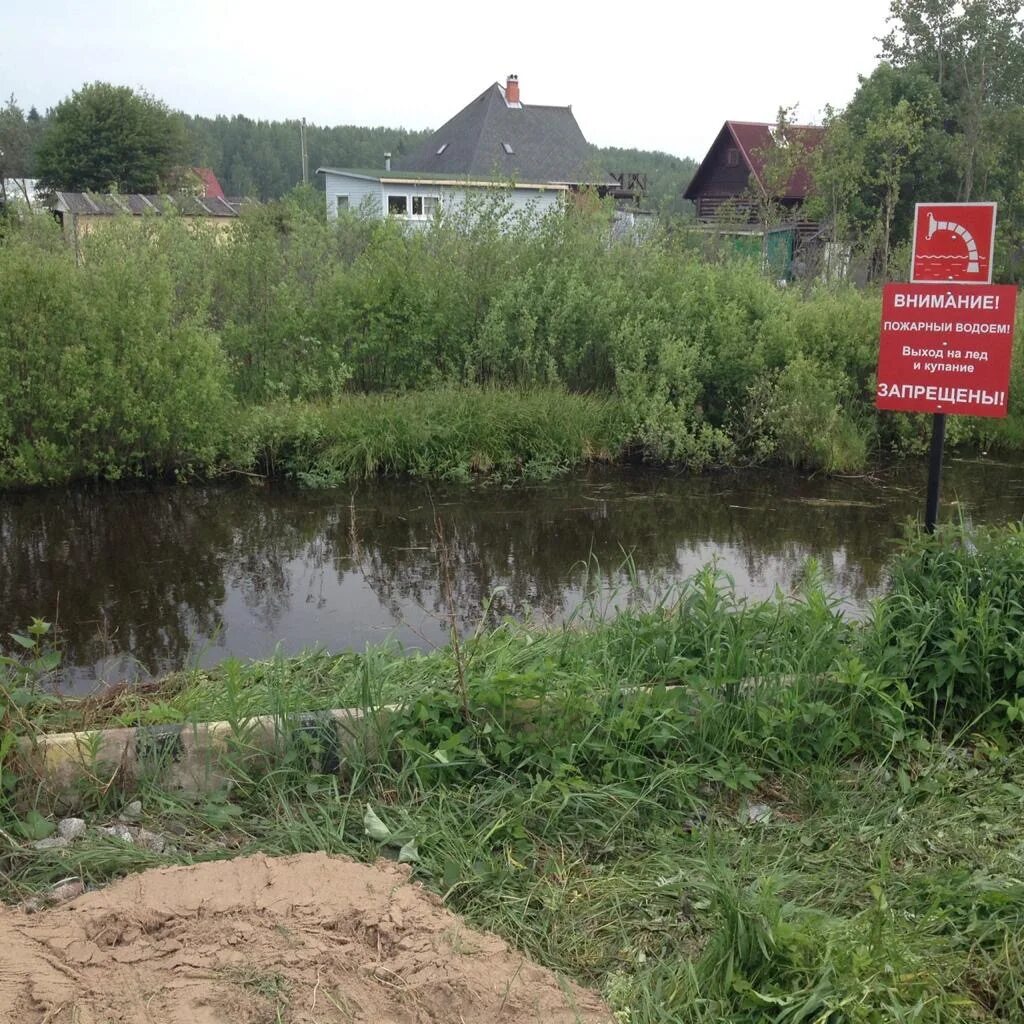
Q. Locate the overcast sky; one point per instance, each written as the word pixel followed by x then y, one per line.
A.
pixel 636 74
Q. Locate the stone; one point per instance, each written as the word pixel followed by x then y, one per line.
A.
pixel 64 891
pixel 121 832
pixel 150 840
pixel 50 843
pixel 757 814
pixel 132 811
pixel 71 828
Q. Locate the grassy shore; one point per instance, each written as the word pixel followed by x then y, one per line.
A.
pixel 442 434
pixel 492 343
pixel 710 810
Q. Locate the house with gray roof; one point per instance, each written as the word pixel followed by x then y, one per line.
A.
pixel 536 154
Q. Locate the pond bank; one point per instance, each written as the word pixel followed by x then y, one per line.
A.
pixel 823 841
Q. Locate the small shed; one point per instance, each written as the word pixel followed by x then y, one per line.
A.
pixel 80 213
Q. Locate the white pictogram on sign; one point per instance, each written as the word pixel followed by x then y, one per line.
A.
pixel 934 225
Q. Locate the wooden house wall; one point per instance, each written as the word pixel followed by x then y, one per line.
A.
pixel 731 186
pixel 721 179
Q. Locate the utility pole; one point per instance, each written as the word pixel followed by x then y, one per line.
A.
pixel 305 154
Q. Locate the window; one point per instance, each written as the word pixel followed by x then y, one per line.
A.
pixel 442 148
pixel 507 146
pixel 413 207
pixel 424 206
pixel 732 157
pixel 342 202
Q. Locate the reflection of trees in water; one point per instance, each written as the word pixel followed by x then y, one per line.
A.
pixel 152 568
pixel 525 550
pixel 274 532
pixel 120 571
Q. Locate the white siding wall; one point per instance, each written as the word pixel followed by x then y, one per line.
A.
pixel 362 194
pixel 537 199
pixel 520 200
pixel 371 196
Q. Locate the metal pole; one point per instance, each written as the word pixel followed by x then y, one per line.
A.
pixel 305 153
pixel 931 509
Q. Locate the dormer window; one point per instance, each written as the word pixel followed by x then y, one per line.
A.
pixel 507 146
pixel 442 148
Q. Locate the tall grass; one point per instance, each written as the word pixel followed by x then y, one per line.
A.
pixel 447 433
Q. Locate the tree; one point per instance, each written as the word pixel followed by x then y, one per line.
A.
pixel 15 145
pixel 974 51
pixel 878 173
pixel 788 151
pixel 109 138
pixel 896 137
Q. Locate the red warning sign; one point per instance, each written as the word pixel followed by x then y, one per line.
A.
pixel 953 242
pixel 946 348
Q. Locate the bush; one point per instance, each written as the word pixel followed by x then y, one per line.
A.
pixel 953 622
pixel 103 373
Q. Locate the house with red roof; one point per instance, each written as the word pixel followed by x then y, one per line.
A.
pixel 210 184
pixel 747 165
pixel 753 183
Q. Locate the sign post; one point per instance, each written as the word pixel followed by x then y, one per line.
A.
pixel 931 501
pixel 947 335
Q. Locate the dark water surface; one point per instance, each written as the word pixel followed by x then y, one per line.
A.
pixel 143 581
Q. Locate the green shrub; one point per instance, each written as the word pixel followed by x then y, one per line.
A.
pixel 103 374
pixel 139 357
pixel 952 624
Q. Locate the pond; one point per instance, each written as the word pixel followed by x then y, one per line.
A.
pixel 146 580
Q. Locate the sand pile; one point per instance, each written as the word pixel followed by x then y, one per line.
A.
pixel 309 939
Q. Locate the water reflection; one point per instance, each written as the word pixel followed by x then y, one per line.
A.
pixel 143 581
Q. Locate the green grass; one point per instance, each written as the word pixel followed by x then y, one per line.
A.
pixel 791 821
pixel 446 433
pixel 699 631
pixel 860 899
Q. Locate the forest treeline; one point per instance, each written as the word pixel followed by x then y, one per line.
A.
pixel 263 159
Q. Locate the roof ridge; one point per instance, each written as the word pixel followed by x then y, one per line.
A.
pixel 772 124
pixel 477 148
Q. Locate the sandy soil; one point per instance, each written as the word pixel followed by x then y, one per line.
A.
pixel 308 939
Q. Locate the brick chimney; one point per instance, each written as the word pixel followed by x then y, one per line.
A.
pixel 512 90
